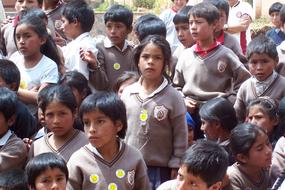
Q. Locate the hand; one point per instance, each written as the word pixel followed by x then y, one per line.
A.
pixel 28 143
pixel 191 105
pixel 89 57
pixel 174 173
pixel 9 19
pixel 59 40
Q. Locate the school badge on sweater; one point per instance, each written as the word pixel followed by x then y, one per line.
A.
pixel 160 112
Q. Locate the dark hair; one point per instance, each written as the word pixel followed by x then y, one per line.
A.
pixel 207 160
pixel 206 11
pixel 59 93
pixel 162 44
pixel 182 15
pixel 10 73
pixel 267 104
pixel 282 14
pixel 262 44
pixel 77 80
pixel 42 162
pixel 119 13
pixel 109 104
pixel 281 113
pixel 36 12
pixel 221 111
pixel 149 24
pixel 13 179
pixel 173 0
pixel 78 10
pixel 8 102
pixel 49 48
pixel 126 75
pixel 221 5
pixel 275 7
pixel 243 137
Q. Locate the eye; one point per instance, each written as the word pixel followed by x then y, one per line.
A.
pixel 86 123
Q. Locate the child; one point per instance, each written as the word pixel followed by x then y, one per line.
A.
pixel 203 167
pixel 252 150
pixel 47 171
pixel 191 126
pixel 156 112
pixel 36 68
pixel 276 34
pixel 13 153
pixel 115 53
pixel 59 110
pixel 13 179
pixel 124 80
pixel 7 31
pixel 106 162
pixel 262 59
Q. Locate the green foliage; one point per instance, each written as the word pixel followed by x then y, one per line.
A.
pixel 149 4
pixel 103 7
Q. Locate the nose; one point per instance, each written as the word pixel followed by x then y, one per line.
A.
pixel 203 127
pixel 112 30
pixel 24 5
pixel 54 186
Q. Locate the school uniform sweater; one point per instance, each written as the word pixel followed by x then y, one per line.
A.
pixel 218 74
pixel 156 125
pixel 278 159
pixel 231 42
pixel 247 93
pixel 89 171
pixel 42 145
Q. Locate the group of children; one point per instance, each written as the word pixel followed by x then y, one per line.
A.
pixel 107 115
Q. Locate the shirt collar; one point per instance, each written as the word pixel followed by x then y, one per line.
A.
pixel 198 50
pixel 5 138
pixel 108 44
pixel 261 86
pixel 221 38
pixel 236 4
pixel 95 151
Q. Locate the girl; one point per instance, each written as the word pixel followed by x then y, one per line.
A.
pixel 263 112
pixel 252 150
pixel 125 79
pixel 106 162
pixel 47 171
pixel 36 68
pixel 156 112
pixel 59 110
pixel 218 118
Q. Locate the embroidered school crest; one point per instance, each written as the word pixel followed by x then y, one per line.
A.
pixel 239 14
pixel 160 112
pixel 222 66
pixel 131 177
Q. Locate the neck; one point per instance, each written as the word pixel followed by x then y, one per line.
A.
pixel 109 152
pixel 253 172
pixel 224 135
pixel 150 85
pixel 206 44
pixel 57 141
pixel 31 61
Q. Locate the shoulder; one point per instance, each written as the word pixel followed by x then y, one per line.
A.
pixel 47 62
pixel 80 155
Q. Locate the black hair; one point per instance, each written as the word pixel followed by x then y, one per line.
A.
pixel 13 179
pixel 36 12
pixel 206 11
pixel 119 13
pixel 221 5
pixel 243 137
pixel 162 44
pixel 109 104
pixel 173 0
pixel 10 73
pixel 149 24
pixel 262 44
pixel 219 110
pixel 207 160
pixel 275 7
pixel 126 75
pixel 78 10
pixel 8 102
pixel 282 14
pixel 182 15
pixel 59 93
pixel 49 48
pixel 41 163
pixel 281 113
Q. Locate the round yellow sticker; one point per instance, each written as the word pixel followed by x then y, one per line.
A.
pixel 112 186
pixel 143 115
pixel 117 66
pixel 23 84
pixel 94 178
pixel 120 173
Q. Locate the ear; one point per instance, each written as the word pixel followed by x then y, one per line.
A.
pixel 43 40
pixel 275 121
pixel 216 186
pixel 119 125
pixel 130 29
pixel 12 120
pixel 241 158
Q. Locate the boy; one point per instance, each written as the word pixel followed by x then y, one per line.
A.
pixel 262 59
pixel 25 124
pixel 115 54
pixel 7 31
pixel 13 152
pixel 207 69
pixel 276 34
pixel 203 167
pixel 76 26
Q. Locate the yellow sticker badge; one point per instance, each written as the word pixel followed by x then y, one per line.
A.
pixel 112 186
pixel 120 173
pixel 94 178
pixel 23 84
pixel 117 66
pixel 143 115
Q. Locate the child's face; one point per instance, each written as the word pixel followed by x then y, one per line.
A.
pixel 222 20
pixel 257 116
pixel 184 35
pixel 124 85
pixel 101 130
pixel 210 129
pixel 23 5
pixel 4 124
pixel 59 118
pixel 275 19
pixel 178 4
pixel 70 29
pixel 151 62
pixel 28 41
pixel 117 32
pixel 51 178
pixel 260 154
pixel 200 29
pixel 261 66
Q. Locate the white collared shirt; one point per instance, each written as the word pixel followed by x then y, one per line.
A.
pixel 5 138
pixel 109 44
pixel 261 86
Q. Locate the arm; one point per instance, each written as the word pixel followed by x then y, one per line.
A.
pixel 30 96
pixel 74 178
pixel 240 106
pixel 141 177
pixel 241 26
